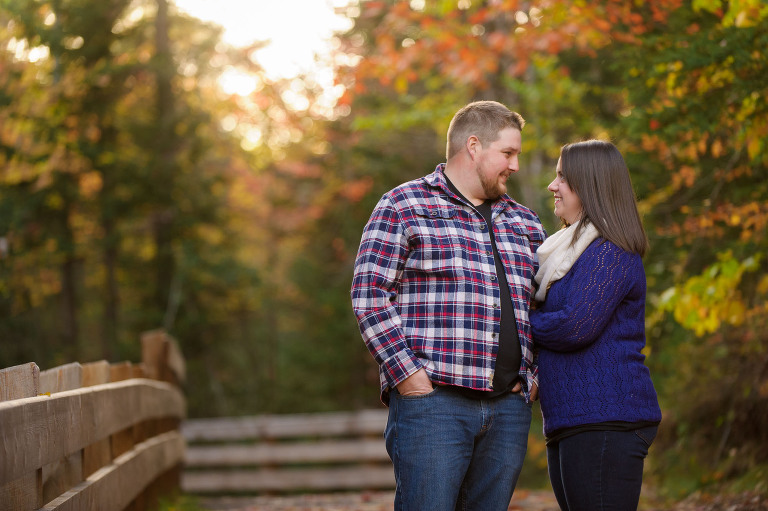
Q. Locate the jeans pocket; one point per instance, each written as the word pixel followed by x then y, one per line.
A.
pixel 418 396
pixel 647 435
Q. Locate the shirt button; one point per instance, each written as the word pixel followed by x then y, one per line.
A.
pixel 482 227
pixel 493 277
pixel 433 213
pixel 488 252
pixel 495 305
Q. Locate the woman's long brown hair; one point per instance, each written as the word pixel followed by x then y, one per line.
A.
pixel 597 173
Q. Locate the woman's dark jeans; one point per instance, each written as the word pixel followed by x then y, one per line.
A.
pixel 599 470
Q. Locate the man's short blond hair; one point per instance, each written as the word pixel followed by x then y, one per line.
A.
pixel 483 119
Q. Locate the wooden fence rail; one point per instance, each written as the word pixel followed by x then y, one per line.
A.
pixel 303 452
pixel 94 436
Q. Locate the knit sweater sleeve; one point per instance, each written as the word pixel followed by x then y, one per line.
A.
pixel 601 278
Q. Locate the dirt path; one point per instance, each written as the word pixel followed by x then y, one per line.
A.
pixel 523 500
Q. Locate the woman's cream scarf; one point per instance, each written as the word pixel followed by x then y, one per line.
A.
pixel 556 255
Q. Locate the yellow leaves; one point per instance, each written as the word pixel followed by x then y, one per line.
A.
pixel 401 84
pixel 746 13
pixel 741 13
pixel 210 234
pixel 716 76
pixel 748 107
pixel 54 201
pixel 755 134
pixel 762 286
pixel 37 281
pixel 712 299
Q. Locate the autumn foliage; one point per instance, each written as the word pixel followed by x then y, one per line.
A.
pixel 135 193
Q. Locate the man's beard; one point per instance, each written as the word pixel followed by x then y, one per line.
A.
pixel 492 187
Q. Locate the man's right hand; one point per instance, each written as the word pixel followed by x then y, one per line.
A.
pixel 415 385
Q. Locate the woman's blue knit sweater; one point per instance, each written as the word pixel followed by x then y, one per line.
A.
pixel 590 333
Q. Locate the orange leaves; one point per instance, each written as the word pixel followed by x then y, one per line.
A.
pixel 470 44
pixel 684 177
pixel 497 41
pixel 717 149
pixel 750 221
pixel 90 184
pixel 354 191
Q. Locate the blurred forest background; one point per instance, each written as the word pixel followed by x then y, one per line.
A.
pixel 135 193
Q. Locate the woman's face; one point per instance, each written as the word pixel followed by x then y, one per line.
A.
pixel 567 203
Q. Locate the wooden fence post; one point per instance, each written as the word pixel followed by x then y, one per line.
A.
pixel 61 475
pixel 26 492
pixel 98 454
pixel 161 359
pixel 117 445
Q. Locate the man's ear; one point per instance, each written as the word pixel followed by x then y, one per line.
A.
pixel 473 146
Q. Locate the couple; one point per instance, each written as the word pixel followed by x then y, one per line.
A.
pixel 447 271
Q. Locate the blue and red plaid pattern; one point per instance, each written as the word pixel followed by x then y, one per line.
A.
pixel 425 290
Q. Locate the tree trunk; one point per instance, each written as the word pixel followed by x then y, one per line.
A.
pixel 70 327
pixel 164 215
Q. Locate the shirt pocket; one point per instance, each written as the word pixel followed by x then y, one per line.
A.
pixel 519 246
pixel 436 238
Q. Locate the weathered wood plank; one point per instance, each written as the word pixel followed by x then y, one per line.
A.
pixel 39 430
pixel 99 453
pixel 115 486
pixel 62 474
pixel 121 441
pixel 302 452
pixel 161 357
pixel 25 490
pixel 120 371
pixel 365 422
pixel 347 478
pixel 19 381
pixel 59 379
pixel 95 373
pixel 25 493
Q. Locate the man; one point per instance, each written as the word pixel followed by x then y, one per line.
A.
pixel 441 291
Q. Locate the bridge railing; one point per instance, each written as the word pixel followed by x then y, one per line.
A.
pixel 287 453
pixel 93 436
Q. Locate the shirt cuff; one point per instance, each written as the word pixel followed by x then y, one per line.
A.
pixel 400 366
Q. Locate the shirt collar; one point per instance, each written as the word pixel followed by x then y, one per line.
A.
pixel 437 179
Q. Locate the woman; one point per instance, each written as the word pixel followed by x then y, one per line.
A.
pixel 598 402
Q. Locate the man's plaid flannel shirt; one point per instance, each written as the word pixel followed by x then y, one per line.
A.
pixel 425 290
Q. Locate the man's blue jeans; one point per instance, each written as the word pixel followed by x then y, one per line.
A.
pixel 454 452
pixel 599 470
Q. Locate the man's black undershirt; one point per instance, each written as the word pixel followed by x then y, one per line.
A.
pixel 509 355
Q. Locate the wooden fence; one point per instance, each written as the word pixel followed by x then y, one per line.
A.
pixel 280 453
pixel 93 436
